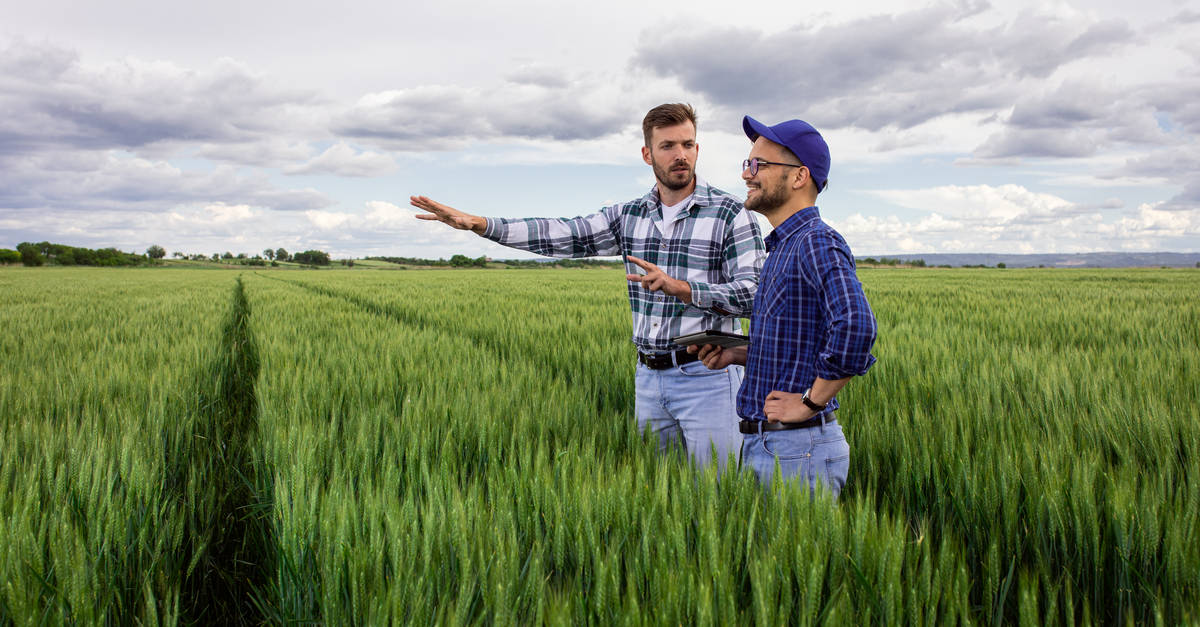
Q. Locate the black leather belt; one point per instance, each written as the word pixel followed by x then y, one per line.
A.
pixel 661 361
pixel 758 426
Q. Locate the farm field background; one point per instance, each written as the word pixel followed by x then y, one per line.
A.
pixel 364 447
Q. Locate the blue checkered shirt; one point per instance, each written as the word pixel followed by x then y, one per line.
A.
pixel 715 246
pixel 811 318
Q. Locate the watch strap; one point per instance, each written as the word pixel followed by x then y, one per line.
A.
pixel 811 404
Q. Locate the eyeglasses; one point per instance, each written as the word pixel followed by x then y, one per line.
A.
pixel 753 165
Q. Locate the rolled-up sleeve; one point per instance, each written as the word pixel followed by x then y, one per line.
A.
pixel 743 262
pixel 851 323
pixel 598 234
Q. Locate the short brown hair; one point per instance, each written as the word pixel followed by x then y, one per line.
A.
pixel 667 115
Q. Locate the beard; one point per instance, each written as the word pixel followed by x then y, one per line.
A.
pixel 672 179
pixel 769 198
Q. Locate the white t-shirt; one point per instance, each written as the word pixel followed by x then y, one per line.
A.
pixel 667 224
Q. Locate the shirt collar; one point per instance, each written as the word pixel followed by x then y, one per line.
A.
pixel 795 223
pixel 701 196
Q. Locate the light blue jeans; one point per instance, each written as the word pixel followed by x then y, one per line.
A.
pixel 692 407
pixel 815 455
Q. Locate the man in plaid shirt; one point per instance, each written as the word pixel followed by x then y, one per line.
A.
pixel 701 253
pixel 812 328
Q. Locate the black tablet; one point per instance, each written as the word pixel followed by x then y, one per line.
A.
pixel 720 338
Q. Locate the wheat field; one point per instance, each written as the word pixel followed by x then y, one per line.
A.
pixel 458 447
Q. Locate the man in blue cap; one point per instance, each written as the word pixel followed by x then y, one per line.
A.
pixel 811 329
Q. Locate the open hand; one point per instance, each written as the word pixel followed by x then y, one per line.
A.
pixel 447 214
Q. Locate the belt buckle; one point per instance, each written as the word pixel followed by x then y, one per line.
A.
pixel 657 361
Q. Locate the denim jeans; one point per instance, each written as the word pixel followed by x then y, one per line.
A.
pixel 691 407
pixel 817 454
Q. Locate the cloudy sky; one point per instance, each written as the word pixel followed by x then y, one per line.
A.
pixel 237 126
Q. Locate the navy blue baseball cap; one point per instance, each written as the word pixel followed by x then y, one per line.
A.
pixel 799 137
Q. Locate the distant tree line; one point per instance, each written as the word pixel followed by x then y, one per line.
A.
pixel 41 253
pixel 412 261
pixel 312 258
pixel 274 256
pixel 891 261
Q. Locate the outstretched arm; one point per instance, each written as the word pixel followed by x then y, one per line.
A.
pixel 447 214
pixel 593 235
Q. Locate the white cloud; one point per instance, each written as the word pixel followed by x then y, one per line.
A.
pixel 995 204
pixel 225 214
pixel 343 160
pixel 328 220
pixel 1152 221
pixel 108 139
pixel 389 216
pixel 384 228
pixel 86 181
pixel 1012 219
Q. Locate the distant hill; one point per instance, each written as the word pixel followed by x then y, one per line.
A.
pixel 1080 260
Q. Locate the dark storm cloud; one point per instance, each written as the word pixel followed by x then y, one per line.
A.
pixel 893 73
pixel 51 99
pixel 1076 120
pixel 1189 198
pixel 1179 102
pixel 887 71
pixel 540 75
pixel 75 136
pixel 1035 143
pixel 438 117
pixel 1166 163
pixel 1179 165
pixel 1186 17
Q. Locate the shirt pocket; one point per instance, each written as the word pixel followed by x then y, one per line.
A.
pixel 695 260
pixel 772 299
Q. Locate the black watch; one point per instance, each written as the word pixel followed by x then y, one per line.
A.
pixel 811 404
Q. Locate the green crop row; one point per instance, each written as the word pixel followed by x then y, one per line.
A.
pixel 1049 422
pixel 96 404
pixel 455 482
pixel 459 447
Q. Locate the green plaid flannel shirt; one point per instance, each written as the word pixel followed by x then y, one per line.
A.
pixel 715 246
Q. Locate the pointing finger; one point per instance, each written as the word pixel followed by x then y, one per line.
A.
pixel 645 265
